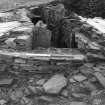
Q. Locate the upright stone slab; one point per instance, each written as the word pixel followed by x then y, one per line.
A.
pixel 41 35
pixel 53 15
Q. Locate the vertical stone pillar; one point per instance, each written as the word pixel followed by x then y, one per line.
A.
pixel 53 16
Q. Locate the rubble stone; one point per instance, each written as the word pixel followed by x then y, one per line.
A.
pixel 57 76
pixel 20 61
pixel 3 102
pixel 64 93
pixel 16 95
pixel 40 82
pixel 55 84
pixel 77 103
pixel 72 80
pixel 16 30
pixel 6 81
pixel 33 89
pixel 79 78
pixel 47 98
pixel 90 86
pixel 100 78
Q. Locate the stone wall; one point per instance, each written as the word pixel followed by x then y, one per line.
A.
pixel 31 75
pixel 16 30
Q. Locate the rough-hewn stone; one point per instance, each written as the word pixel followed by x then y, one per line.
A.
pixel 55 84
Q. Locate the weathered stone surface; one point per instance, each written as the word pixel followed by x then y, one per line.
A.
pixel 55 84
pixel 46 54
pixel 32 89
pixel 64 93
pixel 42 36
pixel 90 86
pixel 41 82
pixel 98 97
pixel 22 61
pixel 53 14
pixel 16 95
pixel 3 102
pixel 77 103
pixel 90 34
pixel 49 75
pixel 47 98
pixel 100 78
pixel 72 80
pixel 6 82
pixel 79 78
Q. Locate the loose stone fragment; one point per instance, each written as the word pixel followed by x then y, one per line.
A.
pixel 6 81
pixel 77 103
pixel 100 78
pixel 3 67
pixel 89 85
pixel 79 78
pixel 16 30
pixel 26 101
pixel 98 97
pixel 23 61
pixel 64 93
pixel 55 84
pixel 40 82
pixel 28 67
pixel 3 102
pixel 33 89
pixel 47 98
pixel 16 95
pixel 10 42
pixel 72 80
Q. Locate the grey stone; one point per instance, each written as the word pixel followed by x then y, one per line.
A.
pixel 77 103
pixel 6 81
pixel 42 36
pixel 65 93
pixel 33 89
pixel 79 78
pixel 16 95
pixel 19 60
pixel 100 78
pixel 47 98
pixel 10 42
pixel 72 80
pixel 41 82
pixel 55 84
pixel 3 102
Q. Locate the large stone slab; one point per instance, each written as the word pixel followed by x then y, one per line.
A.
pixel 55 84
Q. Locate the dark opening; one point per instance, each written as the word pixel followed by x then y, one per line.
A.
pixel 58 24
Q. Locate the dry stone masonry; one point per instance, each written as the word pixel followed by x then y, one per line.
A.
pixel 51 56
pixel 16 30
